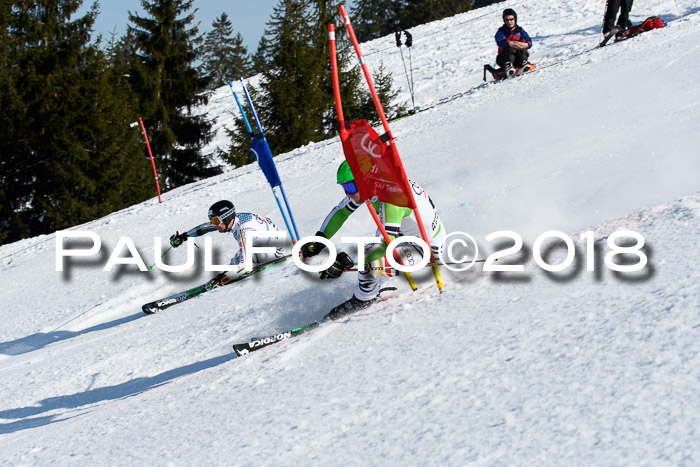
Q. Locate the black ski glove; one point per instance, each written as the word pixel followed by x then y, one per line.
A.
pixel 342 263
pixel 220 279
pixel 178 239
pixel 313 248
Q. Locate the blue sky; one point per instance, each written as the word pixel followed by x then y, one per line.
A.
pixel 247 16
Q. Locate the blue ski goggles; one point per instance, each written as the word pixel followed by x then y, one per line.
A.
pixel 350 187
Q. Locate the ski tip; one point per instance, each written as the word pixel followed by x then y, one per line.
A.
pixel 149 308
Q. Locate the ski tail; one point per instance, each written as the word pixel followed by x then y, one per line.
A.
pixel 610 35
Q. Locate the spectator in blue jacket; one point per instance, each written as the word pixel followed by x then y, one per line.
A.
pixel 513 44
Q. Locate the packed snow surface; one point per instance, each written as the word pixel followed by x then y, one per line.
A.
pixel 583 367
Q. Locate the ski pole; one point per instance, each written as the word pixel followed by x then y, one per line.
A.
pixel 161 256
pixel 166 251
pixel 679 9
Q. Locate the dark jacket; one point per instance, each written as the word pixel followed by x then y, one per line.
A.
pixel 504 35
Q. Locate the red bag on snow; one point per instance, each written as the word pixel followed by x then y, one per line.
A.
pixel 652 22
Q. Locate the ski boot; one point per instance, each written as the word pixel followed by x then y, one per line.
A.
pixel 350 306
pixel 523 67
pixel 508 70
pixel 355 304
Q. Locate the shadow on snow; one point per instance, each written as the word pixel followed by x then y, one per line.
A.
pixel 94 396
pixel 42 339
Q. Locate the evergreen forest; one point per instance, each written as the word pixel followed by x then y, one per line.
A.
pixel 69 149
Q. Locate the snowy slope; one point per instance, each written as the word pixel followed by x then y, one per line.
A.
pixel 591 368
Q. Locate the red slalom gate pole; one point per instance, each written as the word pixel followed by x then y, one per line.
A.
pixel 365 70
pixel 153 163
pixel 336 82
pixel 344 136
pixel 385 124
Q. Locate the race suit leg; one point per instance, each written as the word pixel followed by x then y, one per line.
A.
pixel 370 281
pixel 375 275
pixel 262 258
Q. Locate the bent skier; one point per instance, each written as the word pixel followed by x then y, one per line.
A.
pixel 397 221
pixel 224 219
pixel 513 44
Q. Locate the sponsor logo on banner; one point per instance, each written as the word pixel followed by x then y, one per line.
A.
pixel 368 145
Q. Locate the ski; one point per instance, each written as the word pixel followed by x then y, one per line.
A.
pixel 259 343
pixel 609 36
pixel 262 342
pixel 174 299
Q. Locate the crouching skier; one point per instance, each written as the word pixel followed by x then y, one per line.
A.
pixel 224 219
pixel 397 221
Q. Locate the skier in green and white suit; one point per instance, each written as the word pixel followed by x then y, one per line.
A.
pixel 398 222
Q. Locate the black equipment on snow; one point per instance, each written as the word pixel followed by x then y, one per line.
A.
pixel 652 22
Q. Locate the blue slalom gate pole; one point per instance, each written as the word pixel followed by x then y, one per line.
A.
pixel 268 156
pixel 262 153
pixel 240 107
pixel 286 222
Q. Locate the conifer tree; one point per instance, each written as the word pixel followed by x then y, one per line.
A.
pixel 296 102
pixel 67 153
pixel 260 58
pixel 9 103
pixel 483 3
pixel 415 12
pixel 378 18
pixel 239 152
pixel 293 101
pixel 225 57
pixel 169 88
pixel 375 18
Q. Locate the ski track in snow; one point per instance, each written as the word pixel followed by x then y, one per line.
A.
pixel 577 367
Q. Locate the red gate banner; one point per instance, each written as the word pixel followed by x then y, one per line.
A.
pixel 376 166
